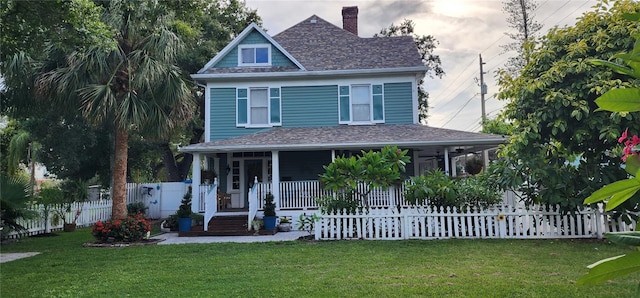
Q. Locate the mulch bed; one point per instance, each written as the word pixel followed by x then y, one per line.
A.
pixel 123 244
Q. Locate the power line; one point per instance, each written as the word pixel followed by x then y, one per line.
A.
pixel 456 79
pixel 460 110
pixel 583 4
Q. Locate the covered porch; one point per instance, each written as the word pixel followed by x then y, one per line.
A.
pixel 246 168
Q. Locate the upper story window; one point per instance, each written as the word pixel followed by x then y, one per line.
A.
pixel 361 104
pixel 254 55
pixel 258 107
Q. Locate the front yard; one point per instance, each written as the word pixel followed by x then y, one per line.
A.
pixel 435 268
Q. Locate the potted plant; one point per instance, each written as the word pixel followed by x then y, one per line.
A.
pixel 184 213
pixel 269 209
pixel 256 224
pixel 285 224
pixel 474 165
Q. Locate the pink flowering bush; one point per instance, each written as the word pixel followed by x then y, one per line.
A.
pixel 631 145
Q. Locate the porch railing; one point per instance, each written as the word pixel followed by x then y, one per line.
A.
pixel 296 195
pixel 253 203
pixel 209 201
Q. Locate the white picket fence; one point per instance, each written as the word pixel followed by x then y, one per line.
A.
pixel 90 213
pixel 445 223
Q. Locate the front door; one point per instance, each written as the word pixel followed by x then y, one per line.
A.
pixel 252 169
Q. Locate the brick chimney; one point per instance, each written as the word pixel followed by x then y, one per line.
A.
pixel 350 19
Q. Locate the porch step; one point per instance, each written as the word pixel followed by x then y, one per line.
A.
pixel 228 225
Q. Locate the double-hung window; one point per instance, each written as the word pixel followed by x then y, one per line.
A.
pixel 258 107
pixel 361 104
pixel 254 55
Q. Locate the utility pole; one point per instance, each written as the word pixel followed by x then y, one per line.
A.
pixel 483 91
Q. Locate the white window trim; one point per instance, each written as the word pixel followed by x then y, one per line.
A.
pixel 254 46
pixel 269 124
pixel 371 108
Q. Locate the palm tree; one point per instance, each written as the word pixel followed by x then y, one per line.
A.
pixel 22 144
pixel 14 194
pixel 130 81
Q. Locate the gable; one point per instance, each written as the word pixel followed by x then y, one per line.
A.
pixel 228 60
pixel 278 59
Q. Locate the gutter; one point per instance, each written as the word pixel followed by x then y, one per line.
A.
pixel 315 73
pixel 231 148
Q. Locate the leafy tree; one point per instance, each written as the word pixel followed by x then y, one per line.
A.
pixel 497 126
pixel 206 27
pixel 621 100
pixel 426 44
pixel 520 17
pixel 374 169
pixel 558 153
pixel 29 29
pixel 134 85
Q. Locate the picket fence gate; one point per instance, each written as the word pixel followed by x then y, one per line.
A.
pixel 443 223
pixel 90 212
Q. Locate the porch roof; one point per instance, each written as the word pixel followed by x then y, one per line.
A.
pixel 349 137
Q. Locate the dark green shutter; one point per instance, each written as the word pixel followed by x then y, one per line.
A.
pixel 378 104
pixel 344 104
pixel 241 107
pixel 274 106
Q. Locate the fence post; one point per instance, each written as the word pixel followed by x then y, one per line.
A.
pixel 405 225
pixel 600 222
pixel 317 227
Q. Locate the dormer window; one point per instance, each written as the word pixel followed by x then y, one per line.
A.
pixel 254 55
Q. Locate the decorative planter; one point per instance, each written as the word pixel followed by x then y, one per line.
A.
pixel 184 224
pixel 269 223
pixel 284 227
pixel 69 227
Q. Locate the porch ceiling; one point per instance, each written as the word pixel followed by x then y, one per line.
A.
pixel 421 137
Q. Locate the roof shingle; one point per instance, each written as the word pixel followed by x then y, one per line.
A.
pixel 319 45
pixel 347 136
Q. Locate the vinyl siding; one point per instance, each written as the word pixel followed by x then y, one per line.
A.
pixel 231 59
pixel 398 104
pixel 223 115
pixel 307 106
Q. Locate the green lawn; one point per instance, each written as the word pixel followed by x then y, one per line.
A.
pixel 471 268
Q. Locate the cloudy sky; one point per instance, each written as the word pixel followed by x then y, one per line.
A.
pixel 464 29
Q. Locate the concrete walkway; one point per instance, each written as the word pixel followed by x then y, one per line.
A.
pixel 172 238
pixel 8 257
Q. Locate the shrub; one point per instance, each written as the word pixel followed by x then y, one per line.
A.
pixel 132 229
pixel 269 207
pixel 334 204
pixel 184 210
pixel 479 191
pixel 135 208
pixel 437 189
pixel 434 188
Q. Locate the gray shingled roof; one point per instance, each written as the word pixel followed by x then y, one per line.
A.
pixel 321 45
pixel 347 136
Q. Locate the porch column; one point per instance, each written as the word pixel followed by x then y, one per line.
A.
pixel 195 183
pixel 216 166
pixel 454 168
pixel 416 163
pixel 333 155
pixel 275 177
pixel 446 161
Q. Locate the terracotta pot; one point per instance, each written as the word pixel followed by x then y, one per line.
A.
pixel 69 227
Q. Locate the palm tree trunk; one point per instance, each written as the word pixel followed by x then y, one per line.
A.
pixel 119 207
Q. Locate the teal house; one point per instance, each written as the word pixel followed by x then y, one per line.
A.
pixel 278 108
